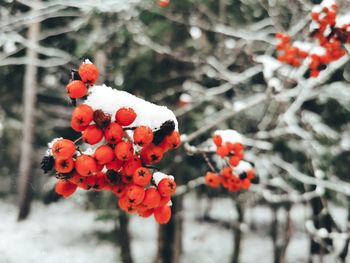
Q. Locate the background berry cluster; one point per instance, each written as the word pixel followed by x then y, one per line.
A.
pixel 330 33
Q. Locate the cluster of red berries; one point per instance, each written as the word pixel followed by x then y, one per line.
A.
pixel 330 37
pixel 87 76
pixel 231 152
pixel 121 161
pixel 236 174
pixel 291 55
pixel 231 179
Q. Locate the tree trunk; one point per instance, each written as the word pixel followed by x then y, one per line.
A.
pixel 29 99
pixel 170 236
pixel 238 234
pixel 124 237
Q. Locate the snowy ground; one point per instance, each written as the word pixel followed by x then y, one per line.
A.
pixel 63 232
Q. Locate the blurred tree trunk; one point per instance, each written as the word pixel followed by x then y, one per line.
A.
pixel 29 99
pixel 170 236
pixel 237 233
pixel 124 237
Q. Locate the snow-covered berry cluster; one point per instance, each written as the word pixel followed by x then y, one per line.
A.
pixel 329 30
pixel 125 135
pixel 235 174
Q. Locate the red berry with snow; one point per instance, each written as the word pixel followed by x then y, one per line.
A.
pixel 143 136
pixel 125 116
pixel 166 187
pixel 88 73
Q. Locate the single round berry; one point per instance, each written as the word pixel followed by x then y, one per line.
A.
pixel 114 165
pixel 76 89
pixel 166 187
pixel 125 116
pixel 172 141
pixel 222 151
pixel 162 214
pixel 124 150
pixel 151 154
pixel 135 194
pixel 63 149
pixel 85 165
pixel 82 116
pixel 212 180
pixel 234 160
pixel 92 135
pixel 64 166
pixel 88 73
pixel 131 165
pixel 217 140
pixel 163 3
pixel 143 136
pixel 142 176
pixel 113 133
pixel 65 188
pixel 152 198
pixel 144 212
pixel 104 154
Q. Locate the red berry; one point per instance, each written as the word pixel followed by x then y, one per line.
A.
pixel 65 188
pixel 172 141
pixel 85 165
pixel 76 89
pixel 82 116
pixel 142 176
pixel 166 187
pixel 163 3
pixel 125 116
pixel 212 180
pixel 64 165
pixel 92 134
pixel 124 151
pixel 104 154
pixel 164 200
pixel 131 165
pixel 135 194
pixel 152 198
pixel 222 151
pixel 143 136
pixel 114 165
pixel 217 139
pixel 234 160
pixel 88 73
pixel 63 149
pixel 162 214
pixel 144 212
pixel 113 133
pixel 151 154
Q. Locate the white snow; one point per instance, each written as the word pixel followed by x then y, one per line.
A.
pixel 110 100
pixel 243 167
pixel 229 136
pixel 343 20
pixel 63 232
pixel 270 65
pixel 158 176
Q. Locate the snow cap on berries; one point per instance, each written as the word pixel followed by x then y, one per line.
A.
pixel 111 100
pixel 229 136
pixel 158 176
pixel 243 167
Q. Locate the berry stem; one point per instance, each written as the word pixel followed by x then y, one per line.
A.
pixel 211 166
